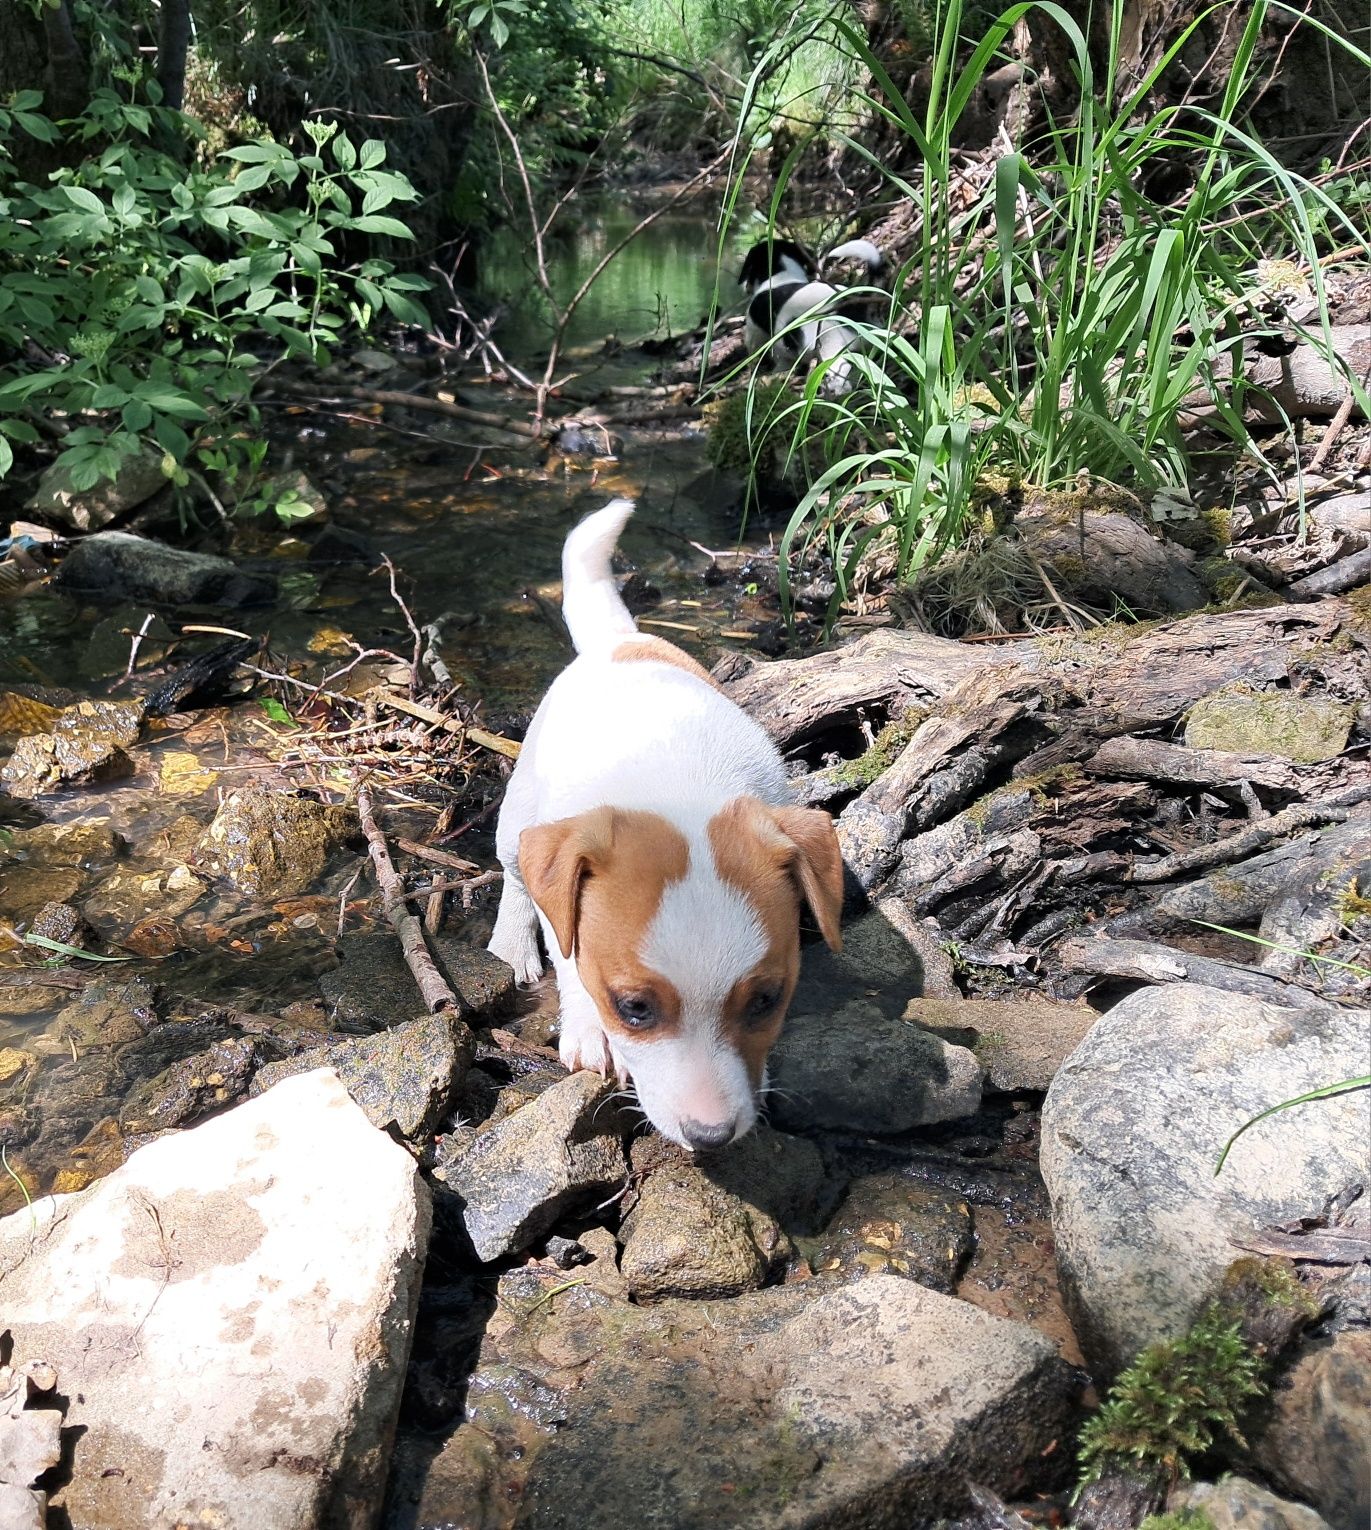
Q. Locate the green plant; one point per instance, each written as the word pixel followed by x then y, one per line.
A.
pixel 1065 315
pixel 1174 1402
pixel 135 294
pixel 1182 1519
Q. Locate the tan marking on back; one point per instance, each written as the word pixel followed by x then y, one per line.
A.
pixel 619 863
pixel 753 856
pixel 655 650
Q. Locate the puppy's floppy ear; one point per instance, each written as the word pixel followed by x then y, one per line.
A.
pixel 818 866
pixel 555 858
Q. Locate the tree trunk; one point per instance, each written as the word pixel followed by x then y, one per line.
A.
pixel 173 43
pixel 68 74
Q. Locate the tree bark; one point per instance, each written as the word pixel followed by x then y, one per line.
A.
pixel 67 76
pixel 173 43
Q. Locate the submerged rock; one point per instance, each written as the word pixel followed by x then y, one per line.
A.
pixel 860 1070
pixel 230 1315
pixel 559 1152
pixel 1020 1043
pixel 403 1078
pixel 1305 729
pixel 891 1225
pixel 861 1407
pixel 87 737
pixel 271 844
pixel 116 566
pixel 58 503
pixel 197 1086
pixel 1234 1503
pixel 1133 1127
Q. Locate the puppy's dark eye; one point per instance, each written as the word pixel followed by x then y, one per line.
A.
pixel 761 1004
pixel 637 1010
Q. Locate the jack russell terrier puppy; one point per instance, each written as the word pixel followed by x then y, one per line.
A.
pixel 781 282
pixel 648 830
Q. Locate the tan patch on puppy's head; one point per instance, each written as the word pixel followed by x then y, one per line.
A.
pixel 775 856
pixel 599 879
pixel 655 650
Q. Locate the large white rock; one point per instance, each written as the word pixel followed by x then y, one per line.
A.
pixel 230 1315
pixel 1133 1127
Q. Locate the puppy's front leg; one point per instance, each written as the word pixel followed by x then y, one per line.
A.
pixel 515 936
pixel 582 1043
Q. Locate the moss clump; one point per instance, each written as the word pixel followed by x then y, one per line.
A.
pixel 1182 1519
pixel 1176 1399
pixel 1353 904
pixel 1359 601
pixel 1241 720
pixel 1094 645
pixel 741 426
pixel 858 774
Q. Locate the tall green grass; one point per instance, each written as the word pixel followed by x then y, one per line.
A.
pixel 1052 326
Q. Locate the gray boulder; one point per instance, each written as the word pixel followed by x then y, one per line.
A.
pixel 58 503
pixel 1020 1043
pixel 116 565
pixel 1234 1503
pixel 556 1154
pixel 229 1315
pixel 371 987
pixel 858 1069
pixel 1132 1129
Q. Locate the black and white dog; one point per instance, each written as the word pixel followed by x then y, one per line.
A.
pixel 782 283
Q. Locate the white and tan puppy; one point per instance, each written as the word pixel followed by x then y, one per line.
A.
pixel 647 830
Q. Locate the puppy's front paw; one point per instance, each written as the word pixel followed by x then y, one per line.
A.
pixel 518 947
pixel 583 1044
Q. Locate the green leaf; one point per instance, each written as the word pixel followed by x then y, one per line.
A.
pixel 344 152
pixel 136 415
pixel 252 222
pixel 373 153
pixel 257 153
pixel 373 224
pixel 87 201
pixel 6 456
pixel 276 711
pixel 36 127
pixel 62 949
pixel 253 178
pixel 175 404
pixel 107 396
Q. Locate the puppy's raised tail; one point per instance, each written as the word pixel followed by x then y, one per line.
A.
pixel 594 613
pixel 858 249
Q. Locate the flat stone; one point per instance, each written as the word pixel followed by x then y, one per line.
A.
pixel 270 845
pixel 1234 1503
pixel 861 1407
pixel 858 1069
pixel 1315 1442
pixel 230 1315
pixel 371 987
pixel 1020 1043
pixel 404 1077
pixel 891 1225
pixel 879 962
pixel 1305 729
pixel 117 566
pixel 558 1153
pixel 1132 1130
pixel 88 737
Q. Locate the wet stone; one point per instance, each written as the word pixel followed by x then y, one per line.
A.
pixel 403 1078
pixel 26 890
pixel 59 922
pixel 860 1070
pixel 889 1225
pixel 59 503
pixel 197 1086
pixel 269 844
pixel 116 566
pixel 1234 1503
pixel 109 1011
pixel 83 845
pixel 88 737
pixel 130 900
pixel 560 1153
pixel 13 1062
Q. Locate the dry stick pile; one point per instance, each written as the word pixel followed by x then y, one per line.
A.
pixel 1045 815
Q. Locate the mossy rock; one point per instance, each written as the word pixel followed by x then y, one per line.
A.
pixel 1305 729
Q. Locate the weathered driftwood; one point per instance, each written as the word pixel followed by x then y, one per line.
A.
pixel 1238 846
pixel 1345 574
pixel 1152 759
pixel 1299 384
pixel 1146 961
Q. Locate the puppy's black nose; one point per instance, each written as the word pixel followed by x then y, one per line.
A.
pixel 699 1136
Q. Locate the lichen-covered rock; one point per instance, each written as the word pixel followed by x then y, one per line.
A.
pixel 861 1407
pixel 58 922
pixel 404 1077
pixel 858 1069
pixel 117 566
pixel 58 503
pixel 129 898
pixel 271 844
pixel 557 1154
pixel 1234 1503
pixel 1315 1441
pixel 90 736
pixel 1132 1130
pixel 197 1086
pixel 1020 1043
pixel 229 1315
pixel 721 1224
pixel 891 1225
pixel 1305 729
pixel 371 987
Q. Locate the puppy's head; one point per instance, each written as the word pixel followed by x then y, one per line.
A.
pixel 775 257
pixel 689 945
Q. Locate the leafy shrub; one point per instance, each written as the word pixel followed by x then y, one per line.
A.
pixel 137 293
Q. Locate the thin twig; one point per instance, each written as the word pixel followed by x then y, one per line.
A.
pixel 410 623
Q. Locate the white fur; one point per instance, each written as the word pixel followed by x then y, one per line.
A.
pixel 653 737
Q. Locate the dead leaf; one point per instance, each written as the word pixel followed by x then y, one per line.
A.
pixel 183 776
pixel 21 716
